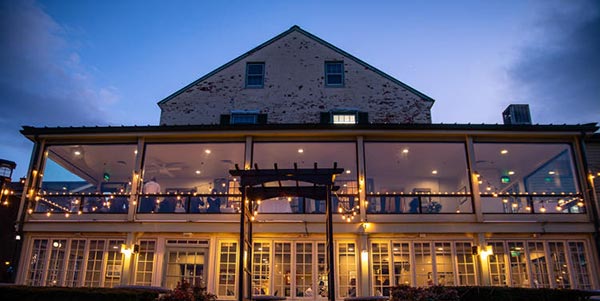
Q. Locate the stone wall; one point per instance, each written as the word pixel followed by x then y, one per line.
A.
pixel 294 90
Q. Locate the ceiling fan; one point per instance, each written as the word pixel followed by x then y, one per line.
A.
pixel 164 168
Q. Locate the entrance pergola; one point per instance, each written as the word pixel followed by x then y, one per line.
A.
pixel 253 187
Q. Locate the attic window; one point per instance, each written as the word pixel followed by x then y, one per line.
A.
pixel 334 74
pixel 244 118
pixel 344 118
pixel 255 75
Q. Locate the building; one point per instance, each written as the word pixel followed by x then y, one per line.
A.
pixel 418 203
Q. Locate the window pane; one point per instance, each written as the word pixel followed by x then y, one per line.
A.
pixel 581 276
pixel 37 262
pixel 444 264
pixel 261 268
pixel 396 170
pixel 518 264
pixel 255 69
pixel 56 263
pixel 282 270
pixel 466 264
pixel 402 271
pixel 145 263
pixel 558 264
pixel 539 267
pixel 497 264
pixel 423 263
pixel 347 269
pixel 227 270
pixel 380 255
pixel 75 264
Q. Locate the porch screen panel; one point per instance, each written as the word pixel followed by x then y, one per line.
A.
pixel 397 173
pixel 37 262
pixel 86 178
pixel 305 155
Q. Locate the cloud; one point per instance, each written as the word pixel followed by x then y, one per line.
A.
pixel 558 72
pixel 43 79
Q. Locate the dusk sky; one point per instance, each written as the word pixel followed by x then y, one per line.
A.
pixel 88 63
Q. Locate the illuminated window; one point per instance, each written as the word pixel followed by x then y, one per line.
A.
pixel 227 269
pixel 145 263
pixel 344 118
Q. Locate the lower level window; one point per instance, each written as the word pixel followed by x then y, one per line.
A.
pixel 60 262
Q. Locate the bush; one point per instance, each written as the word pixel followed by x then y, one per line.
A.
pixel 488 293
pixel 34 293
pixel 432 293
pixel 491 293
pixel 185 292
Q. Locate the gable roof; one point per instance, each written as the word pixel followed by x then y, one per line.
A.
pixel 317 39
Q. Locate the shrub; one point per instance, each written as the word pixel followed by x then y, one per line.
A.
pixel 185 292
pixel 432 293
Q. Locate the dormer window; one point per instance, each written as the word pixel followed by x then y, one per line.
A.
pixel 334 74
pixel 344 118
pixel 244 117
pixel 255 75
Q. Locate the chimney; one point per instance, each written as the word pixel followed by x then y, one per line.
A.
pixel 517 114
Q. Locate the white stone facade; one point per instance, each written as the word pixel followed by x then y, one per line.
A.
pixel 294 89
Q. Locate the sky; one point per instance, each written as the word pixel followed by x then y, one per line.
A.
pixel 108 62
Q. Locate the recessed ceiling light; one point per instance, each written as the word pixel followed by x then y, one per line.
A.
pixel 434 171
pixel 135 151
pixel 300 150
pixel 510 172
pixel 551 172
pixel 504 152
pixel 207 151
pixel 77 153
pixel 198 172
pixel 348 171
pixel 405 151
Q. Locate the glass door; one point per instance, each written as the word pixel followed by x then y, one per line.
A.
pixel 186 264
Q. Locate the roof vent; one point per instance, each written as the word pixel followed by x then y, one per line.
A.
pixel 517 114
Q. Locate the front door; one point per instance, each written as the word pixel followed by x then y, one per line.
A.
pixel 186 264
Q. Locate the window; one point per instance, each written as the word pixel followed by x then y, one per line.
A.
pixel 244 118
pixel 344 118
pixel 334 74
pixel 227 268
pixel 255 75
pixel 145 263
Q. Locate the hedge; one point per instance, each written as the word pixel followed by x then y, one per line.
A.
pixel 35 293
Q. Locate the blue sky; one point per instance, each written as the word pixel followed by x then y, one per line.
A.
pixel 66 63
